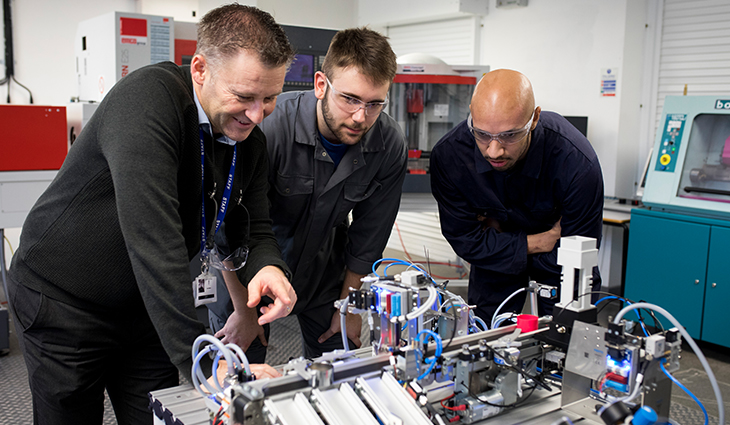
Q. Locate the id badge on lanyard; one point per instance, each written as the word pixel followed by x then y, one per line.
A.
pixel 205 288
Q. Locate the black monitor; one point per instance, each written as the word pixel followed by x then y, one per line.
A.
pixel 581 123
pixel 310 45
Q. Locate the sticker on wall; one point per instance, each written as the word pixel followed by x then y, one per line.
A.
pixel 608 82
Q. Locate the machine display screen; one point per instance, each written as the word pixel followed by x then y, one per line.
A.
pixel 706 171
pixel 301 70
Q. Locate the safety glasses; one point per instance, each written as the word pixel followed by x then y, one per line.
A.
pixel 506 138
pixel 351 105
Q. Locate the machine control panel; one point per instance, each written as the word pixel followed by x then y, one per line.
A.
pixel 671 138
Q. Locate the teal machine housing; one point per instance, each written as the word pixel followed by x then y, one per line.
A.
pixel 679 245
pixel 689 170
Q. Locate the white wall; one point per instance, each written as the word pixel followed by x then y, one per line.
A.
pixel 310 13
pixel 180 10
pixel 331 14
pixel 382 13
pixel 43 39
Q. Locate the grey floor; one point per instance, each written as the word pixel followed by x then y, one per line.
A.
pixel 15 401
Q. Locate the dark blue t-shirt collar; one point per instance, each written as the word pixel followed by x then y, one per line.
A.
pixel 335 151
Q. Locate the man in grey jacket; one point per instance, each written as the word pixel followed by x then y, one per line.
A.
pixel 100 284
pixel 333 152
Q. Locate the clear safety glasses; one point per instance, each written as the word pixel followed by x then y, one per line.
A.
pixel 505 138
pixel 236 259
pixel 351 105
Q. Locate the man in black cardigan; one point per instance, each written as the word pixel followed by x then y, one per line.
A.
pixel 101 287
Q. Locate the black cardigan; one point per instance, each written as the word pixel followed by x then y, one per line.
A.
pixel 118 226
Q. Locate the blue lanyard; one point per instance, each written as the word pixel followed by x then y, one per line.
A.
pixel 224 200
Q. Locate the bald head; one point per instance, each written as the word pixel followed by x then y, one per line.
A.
pixel 503 100
pixel 502 107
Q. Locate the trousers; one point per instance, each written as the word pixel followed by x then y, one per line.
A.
pixel 73 355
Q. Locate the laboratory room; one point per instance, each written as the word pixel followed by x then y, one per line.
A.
pixel 364 212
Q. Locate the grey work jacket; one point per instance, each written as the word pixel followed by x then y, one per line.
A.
pixel 311 200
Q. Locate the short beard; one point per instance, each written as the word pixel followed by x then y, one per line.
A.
pixel 327 114
pixel 329 121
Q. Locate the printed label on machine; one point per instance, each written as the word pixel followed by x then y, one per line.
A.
pixel 722 104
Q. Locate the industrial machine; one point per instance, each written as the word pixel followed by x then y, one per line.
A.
pixel 427 99
pixel 110 46
pixel 690 167
pixel 433 362
pixel 687 193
